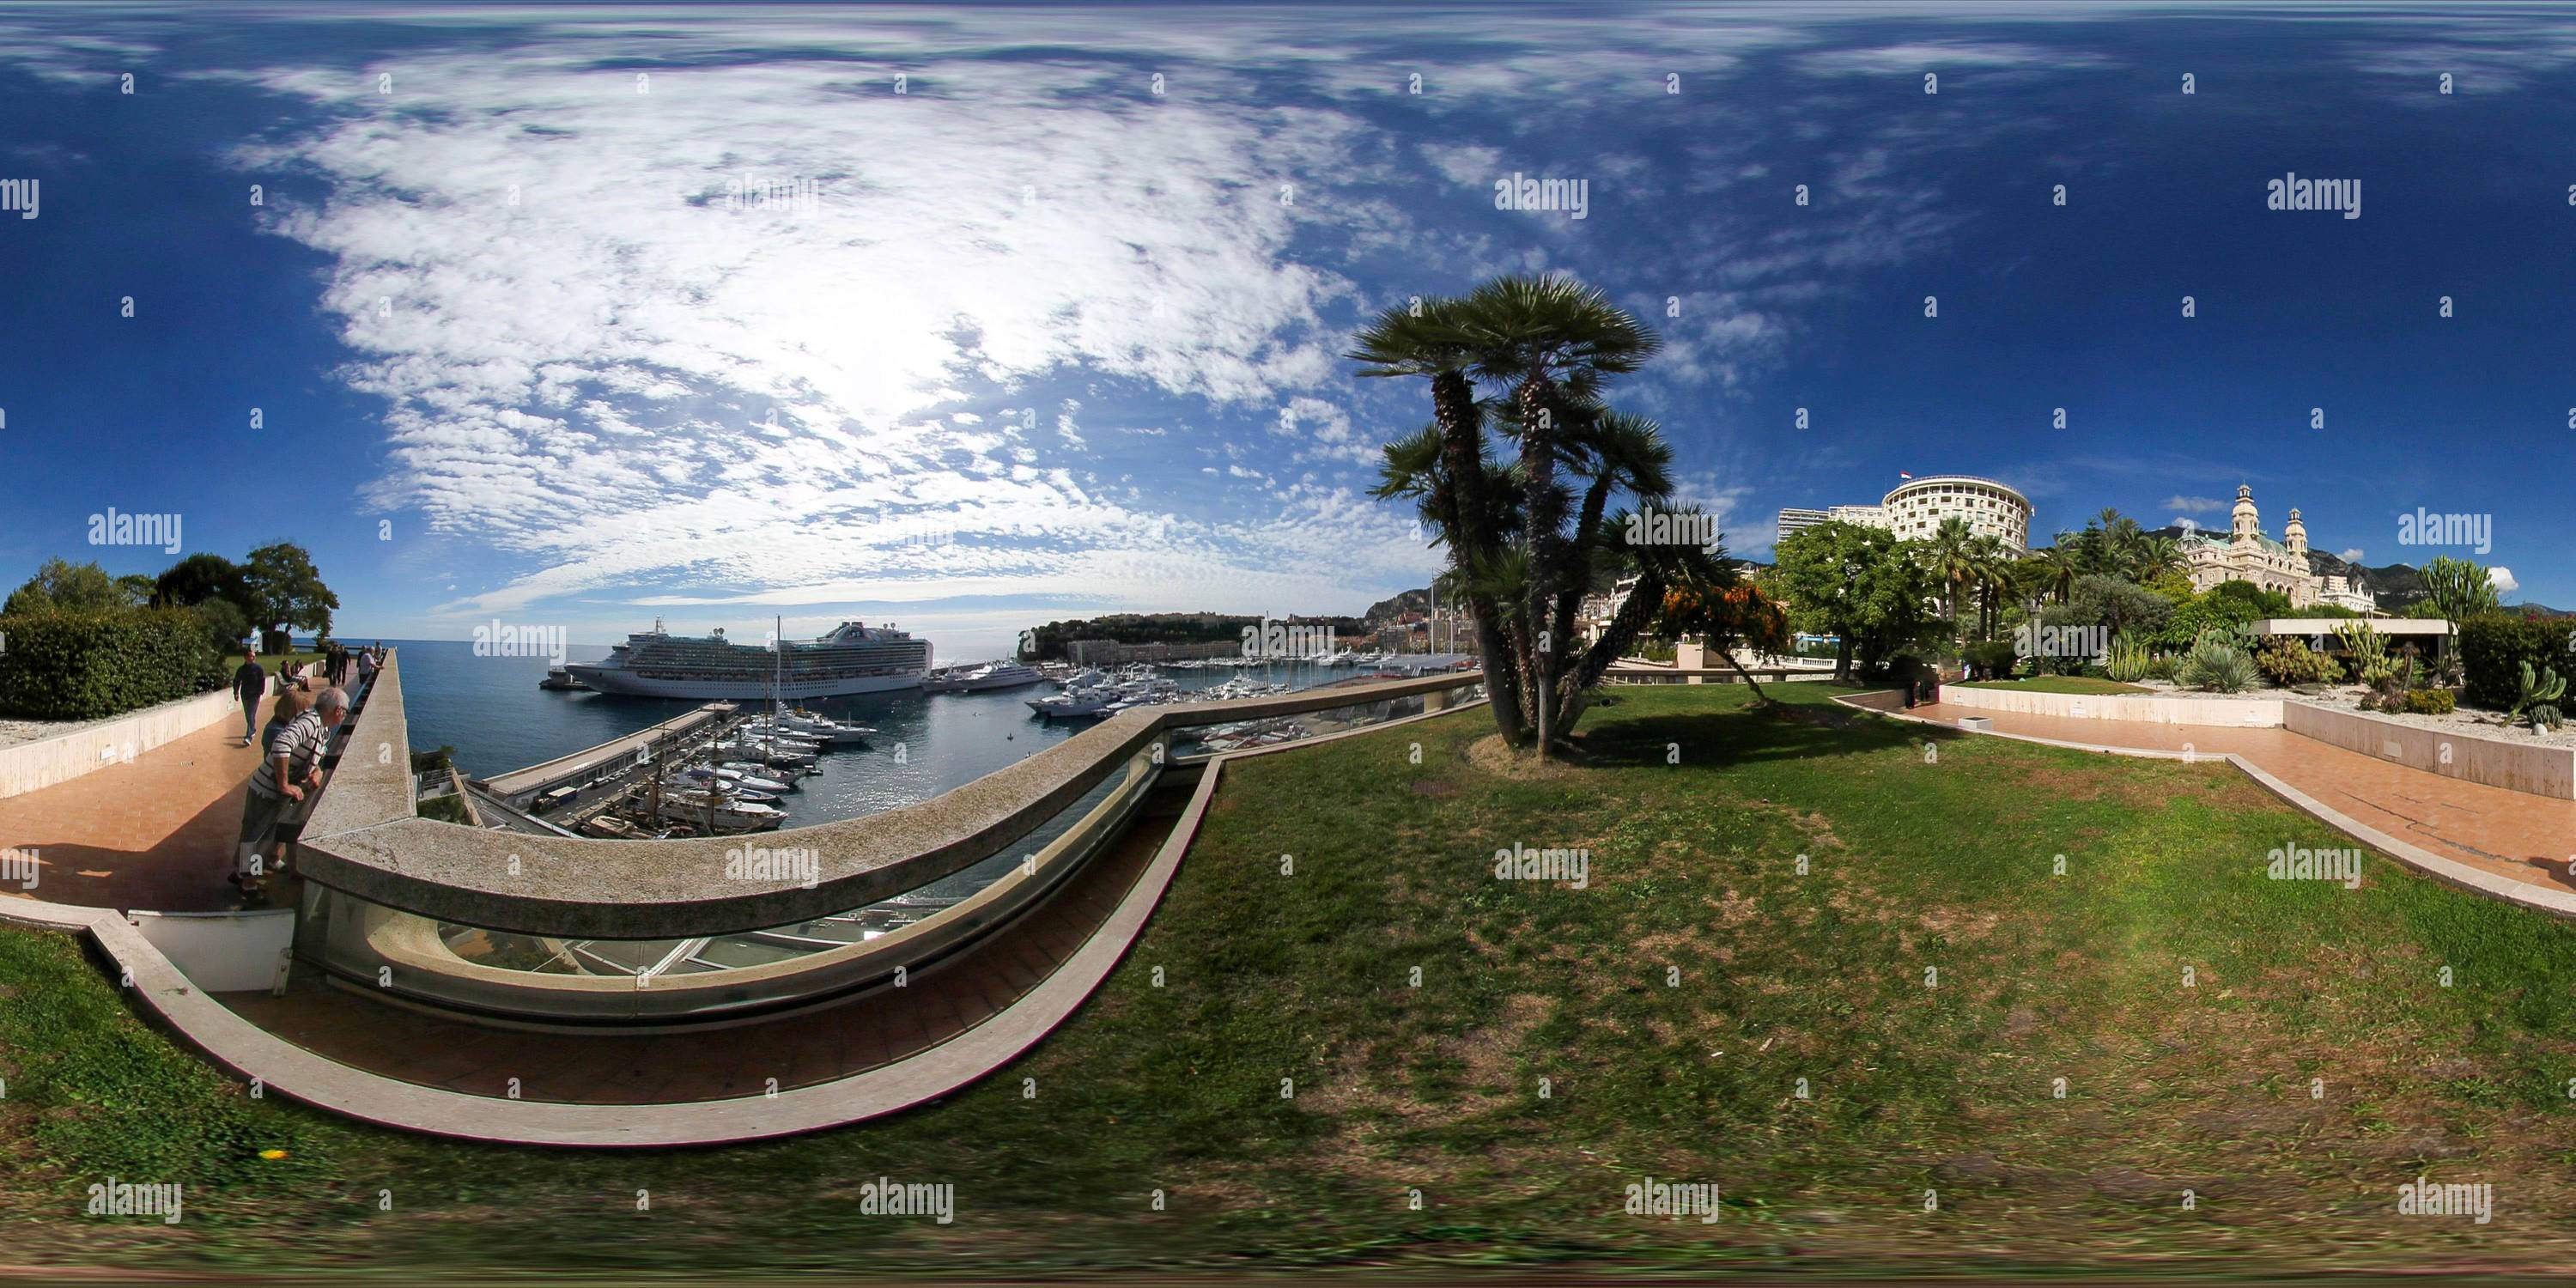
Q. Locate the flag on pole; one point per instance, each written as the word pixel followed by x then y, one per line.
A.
pixel 1903 475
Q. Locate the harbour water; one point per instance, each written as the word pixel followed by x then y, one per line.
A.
pixel 492 712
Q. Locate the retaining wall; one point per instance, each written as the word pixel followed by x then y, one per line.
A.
pixel 2146 708
pixel 2521 767
pixel 29 766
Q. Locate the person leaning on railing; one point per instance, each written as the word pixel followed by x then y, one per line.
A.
pixel 291 766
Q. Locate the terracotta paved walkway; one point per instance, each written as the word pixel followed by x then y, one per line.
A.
pixel 155 832
pixel 801 1050
pixel 2512 834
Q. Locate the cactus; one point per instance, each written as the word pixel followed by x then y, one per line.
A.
pixel 2128 659
pixel 2546 717
pixel 2540 689
pixel 2369 650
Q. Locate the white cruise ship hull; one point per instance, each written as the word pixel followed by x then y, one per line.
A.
pixel 618 680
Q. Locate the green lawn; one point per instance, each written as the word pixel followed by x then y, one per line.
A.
pixel 1560 1044
pixel 2059 684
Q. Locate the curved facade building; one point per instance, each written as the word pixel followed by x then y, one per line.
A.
pixel 1915 509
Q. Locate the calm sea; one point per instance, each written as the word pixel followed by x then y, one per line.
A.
pixel 492 712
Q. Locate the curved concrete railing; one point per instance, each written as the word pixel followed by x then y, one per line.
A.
pixel 364 840
pixel 250 1052
pixel 426 968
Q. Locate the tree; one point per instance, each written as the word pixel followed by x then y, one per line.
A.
pixel 198 578
pixel 2460 590
pixel 2061 564
pixel 2121 606
pixel 226 626
pixel 2159 556
pixel 1859 584
pixel 2267 603
pixel 1950 556
pixel 1523 549
pixel 61 586
pixel 285 591
pixel 1738 615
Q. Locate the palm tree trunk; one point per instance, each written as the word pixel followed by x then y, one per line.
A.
pixel 1462 458
pixel 1536 399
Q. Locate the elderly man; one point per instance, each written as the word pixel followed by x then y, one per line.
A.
pixel 291 767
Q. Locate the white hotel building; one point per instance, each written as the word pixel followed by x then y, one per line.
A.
pixel 1915 509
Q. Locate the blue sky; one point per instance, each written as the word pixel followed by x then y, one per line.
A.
pixel 1030 339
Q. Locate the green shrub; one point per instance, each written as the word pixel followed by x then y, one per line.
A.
pixel 2430 702
pixel 1992 659
pixel 2216 665
pixel 86 666
pixel 2128 660
pixel 2288 661
pixel 2494 647
pixel 2369 652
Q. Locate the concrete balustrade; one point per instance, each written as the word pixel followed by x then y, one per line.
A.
pixel 2516 766
pixel 66 756
pixel 2149 708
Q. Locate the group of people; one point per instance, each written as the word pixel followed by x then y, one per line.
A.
pixel 294 740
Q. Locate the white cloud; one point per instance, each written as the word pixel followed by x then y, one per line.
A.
pixel 2195 504
pixel 2352 556
pixel 2503 579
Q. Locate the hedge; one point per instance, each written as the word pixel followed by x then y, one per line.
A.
pixel 87 666
pixel 2494 646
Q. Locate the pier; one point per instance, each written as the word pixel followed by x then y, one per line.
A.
pixel 611 760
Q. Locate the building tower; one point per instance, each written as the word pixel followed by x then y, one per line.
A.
pixel 2295 535
pixel 2246 526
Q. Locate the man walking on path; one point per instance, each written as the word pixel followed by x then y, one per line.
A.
pixel 250 682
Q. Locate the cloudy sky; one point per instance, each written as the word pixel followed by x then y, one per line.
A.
pixel 976 318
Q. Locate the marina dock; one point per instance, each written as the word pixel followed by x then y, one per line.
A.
pixel 613 759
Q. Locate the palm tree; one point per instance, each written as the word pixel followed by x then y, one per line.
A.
pixel 1951 557
pixel 2158 555
pixel 1549 341
pixel 1994 576
pixel 2059 565
pixel 2119 543
pixel 1444 466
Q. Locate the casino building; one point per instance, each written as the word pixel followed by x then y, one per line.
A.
pixel 2248 555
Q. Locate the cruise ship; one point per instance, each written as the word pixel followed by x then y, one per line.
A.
pixel 850 658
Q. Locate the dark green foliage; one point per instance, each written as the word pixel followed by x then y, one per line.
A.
pixel 2494 646
pixel 1992 659
pixel 2430 702
pixel 85 666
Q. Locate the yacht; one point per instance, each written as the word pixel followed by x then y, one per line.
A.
pixel 719 811
pixel 850 658
pixel 1076 702
pixel 806 725
pixel 737 780
pixel 981 677
pixel 558 677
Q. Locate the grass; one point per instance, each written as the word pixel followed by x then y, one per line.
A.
pixel 2057 684
pixel 271 662
pixel 1768 893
